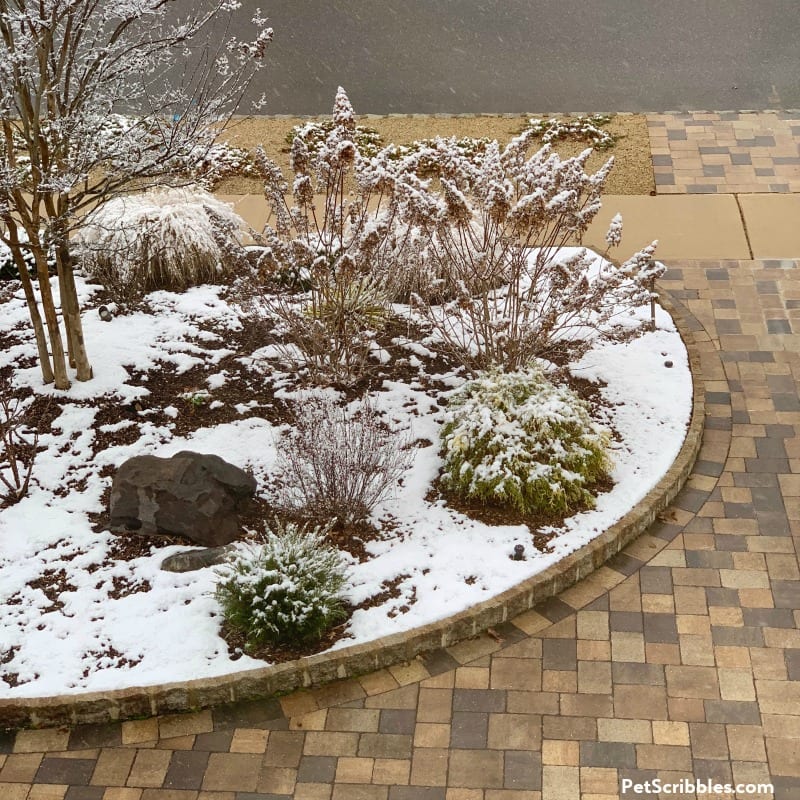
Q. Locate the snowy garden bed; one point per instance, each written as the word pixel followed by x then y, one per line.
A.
pixel 83 611
pixel 412 359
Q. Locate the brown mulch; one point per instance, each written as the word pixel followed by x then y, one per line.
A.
pixel 632 172
pixel 52 583
pixel 169 388
pixel 280 653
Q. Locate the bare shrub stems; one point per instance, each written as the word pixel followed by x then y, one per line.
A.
pixel 18 447
pixel 339 462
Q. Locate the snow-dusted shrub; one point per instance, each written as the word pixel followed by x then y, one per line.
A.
pixel 336 243
pixel 284 590
pixel 490 231
pixel 469 146
pixel 213 163
pixel 165 238
pixel 315 134
pixel 516 439
pixel 583 129
pixel 340 462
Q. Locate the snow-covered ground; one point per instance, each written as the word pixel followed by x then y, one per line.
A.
pixel 90 641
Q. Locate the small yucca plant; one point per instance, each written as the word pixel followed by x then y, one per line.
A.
pixel 338 250
pixel 516 439
pixel 284 590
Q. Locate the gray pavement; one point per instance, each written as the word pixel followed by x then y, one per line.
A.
pixel 497 56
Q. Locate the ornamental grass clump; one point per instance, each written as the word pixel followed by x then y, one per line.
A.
pixel 516 439
pixel 165 238
pixel 285 590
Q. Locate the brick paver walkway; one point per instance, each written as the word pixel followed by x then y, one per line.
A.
pixel 679 659
pixel 728 152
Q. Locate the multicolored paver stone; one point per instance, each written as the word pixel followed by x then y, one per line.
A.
pixel 728 152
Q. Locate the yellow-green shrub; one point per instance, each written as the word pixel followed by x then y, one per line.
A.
pixel 516 439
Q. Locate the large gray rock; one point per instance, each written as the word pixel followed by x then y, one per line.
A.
pixel 194 495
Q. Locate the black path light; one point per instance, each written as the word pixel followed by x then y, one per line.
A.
pixel 107 312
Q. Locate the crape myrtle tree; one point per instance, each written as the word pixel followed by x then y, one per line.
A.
pixel 67 67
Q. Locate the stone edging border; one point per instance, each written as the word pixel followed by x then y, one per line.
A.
pixel 102 707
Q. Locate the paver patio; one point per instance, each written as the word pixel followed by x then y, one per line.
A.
pixel 740 153
pixel 680 658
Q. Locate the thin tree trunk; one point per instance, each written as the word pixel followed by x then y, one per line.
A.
pixel 52 213
pixel 70 338
pixel 51 319
pixel 33 306
pixel 58 208
pixel 70 308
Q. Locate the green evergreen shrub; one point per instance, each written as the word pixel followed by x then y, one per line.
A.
pixel 516 439
pixel 284 590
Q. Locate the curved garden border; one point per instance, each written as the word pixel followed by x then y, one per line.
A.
pixel 99 707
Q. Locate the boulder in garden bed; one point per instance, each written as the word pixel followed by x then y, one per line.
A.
pixel 194 495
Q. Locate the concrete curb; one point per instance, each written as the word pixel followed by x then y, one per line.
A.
pixel 515 114
pixel 398 648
